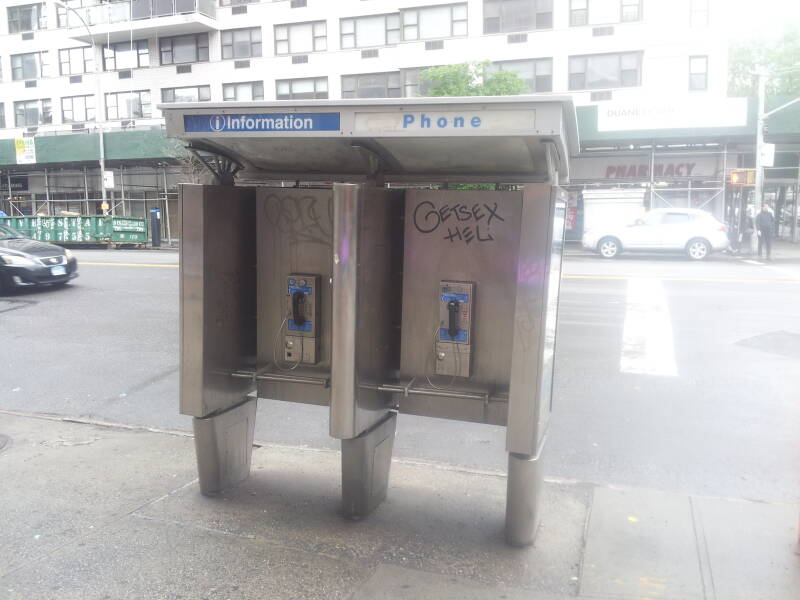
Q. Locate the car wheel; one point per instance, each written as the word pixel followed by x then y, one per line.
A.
pixel 609 247
pixel 698 249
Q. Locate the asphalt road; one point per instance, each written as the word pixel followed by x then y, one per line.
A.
pixel 669 374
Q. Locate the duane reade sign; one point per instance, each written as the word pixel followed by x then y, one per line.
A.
pixel 687 113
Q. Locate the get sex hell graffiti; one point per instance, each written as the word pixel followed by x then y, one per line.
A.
pixel 458 223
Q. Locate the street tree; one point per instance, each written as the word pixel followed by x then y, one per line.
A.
pixel 471 79
pixel 780 57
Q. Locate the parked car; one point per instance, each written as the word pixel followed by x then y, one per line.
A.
pixel 691 231
pixel 24 262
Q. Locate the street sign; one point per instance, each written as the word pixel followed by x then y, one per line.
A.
pixel 768 155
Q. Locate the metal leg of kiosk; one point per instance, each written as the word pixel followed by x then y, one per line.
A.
pixel 366 460
pixel 525 480
pixel 224 446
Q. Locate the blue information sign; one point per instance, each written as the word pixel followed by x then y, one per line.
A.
pixel 247 122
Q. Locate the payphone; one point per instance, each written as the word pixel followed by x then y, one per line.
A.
pixel 454 335
pixel 301 340
pixel 343 269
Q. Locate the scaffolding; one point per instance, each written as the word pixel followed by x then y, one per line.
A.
pixel 76 191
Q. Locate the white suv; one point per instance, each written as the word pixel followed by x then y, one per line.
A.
pixel 689 230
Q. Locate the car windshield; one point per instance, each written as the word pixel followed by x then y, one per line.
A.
pixel 6 233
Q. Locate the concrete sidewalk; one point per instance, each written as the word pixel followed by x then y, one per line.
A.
pixel 102 512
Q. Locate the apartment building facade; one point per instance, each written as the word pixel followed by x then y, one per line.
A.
pixel 75 66
pixel 154 51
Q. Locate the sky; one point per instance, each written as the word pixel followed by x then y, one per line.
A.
pixel 761 19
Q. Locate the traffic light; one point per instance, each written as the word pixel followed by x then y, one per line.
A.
pixel 742 177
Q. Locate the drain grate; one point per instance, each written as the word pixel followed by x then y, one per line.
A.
pixel 782 343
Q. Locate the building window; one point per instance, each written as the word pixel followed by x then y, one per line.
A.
pixel 371 85
pixel 505 16
pixel 28 17
pixel 698 73
pixel 30 113
pixel 243 92
pixel 128 105
pixel 192 93
pixel 600 71
pixel 241 43
pixel 536 73
pixel 2 116
pixel 184 49
pixel 29 66
pixel 126 55
pixel 698 13
pixel 374 30
pixel 578 12
pixel 77 109
pixel 414 84
pixel 301 38
pixel 302 89
pixel 432 22
pixel 631 11
pixel 74 61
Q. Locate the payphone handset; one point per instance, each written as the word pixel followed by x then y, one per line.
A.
pixel 302 306
pixel 454 336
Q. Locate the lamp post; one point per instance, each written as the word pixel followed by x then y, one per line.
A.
pixel 98 103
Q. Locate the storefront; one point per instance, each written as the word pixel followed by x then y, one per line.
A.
pixel 679 155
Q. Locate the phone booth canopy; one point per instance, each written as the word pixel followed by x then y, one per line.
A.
pixel 373 257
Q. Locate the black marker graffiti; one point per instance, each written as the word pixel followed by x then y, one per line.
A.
pixel 469 223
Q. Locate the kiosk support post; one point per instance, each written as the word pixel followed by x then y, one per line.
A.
pixel 366 444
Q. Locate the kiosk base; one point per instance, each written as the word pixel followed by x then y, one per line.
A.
pixel 224 446
pixel 525 479
pixel 366 460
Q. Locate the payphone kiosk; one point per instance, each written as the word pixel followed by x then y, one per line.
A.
pixel 335 263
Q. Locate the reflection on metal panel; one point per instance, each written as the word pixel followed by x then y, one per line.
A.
pixel 534 321
pixel 217 296
pixel 366 301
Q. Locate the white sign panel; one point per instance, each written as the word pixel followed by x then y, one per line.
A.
pixel 768 155
pixel 26 151
pixel 108 180
pixel 686 113
pixel 475 122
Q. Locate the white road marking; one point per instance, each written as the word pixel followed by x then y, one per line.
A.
pixel 647 344
pixel 752 262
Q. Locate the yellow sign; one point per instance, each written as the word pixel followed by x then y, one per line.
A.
pixel 26 150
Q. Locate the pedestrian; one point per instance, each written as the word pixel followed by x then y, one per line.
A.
pixel 765 225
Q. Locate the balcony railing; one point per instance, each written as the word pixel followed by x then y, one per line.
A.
pixel 135 10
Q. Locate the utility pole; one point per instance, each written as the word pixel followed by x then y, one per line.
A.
pixel 99 104
pixel 761 82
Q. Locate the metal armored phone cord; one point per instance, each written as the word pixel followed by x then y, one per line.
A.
pixel 275 349
pixel 435 358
